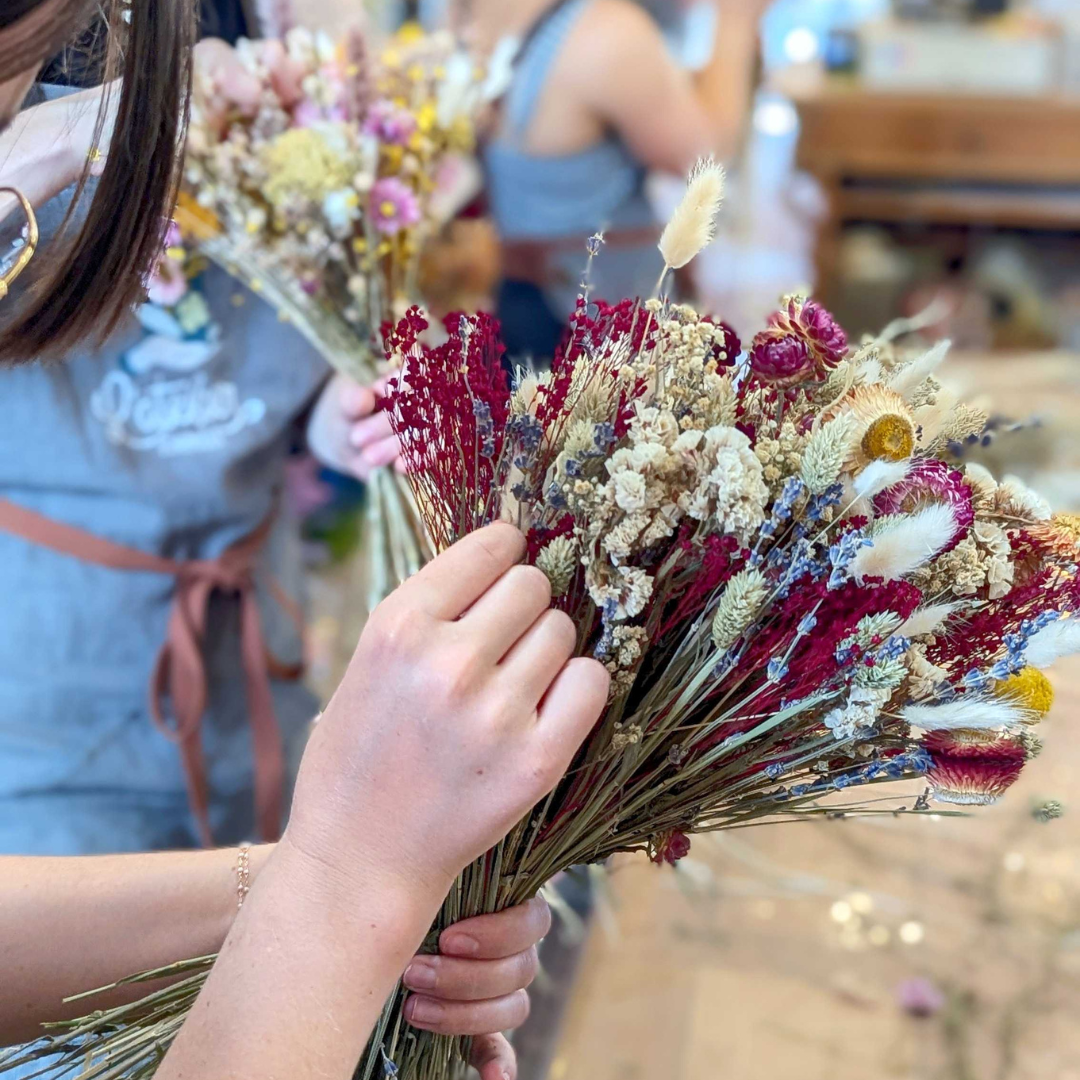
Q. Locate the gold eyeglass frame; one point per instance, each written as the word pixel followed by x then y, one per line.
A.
pixel 7 279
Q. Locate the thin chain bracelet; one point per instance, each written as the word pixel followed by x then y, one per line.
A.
pixel 243 874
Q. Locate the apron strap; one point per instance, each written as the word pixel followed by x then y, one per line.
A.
pixel 179 673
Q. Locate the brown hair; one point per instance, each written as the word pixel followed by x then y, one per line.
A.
pixel 95 278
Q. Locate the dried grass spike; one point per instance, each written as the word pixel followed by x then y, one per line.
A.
pixel 693 225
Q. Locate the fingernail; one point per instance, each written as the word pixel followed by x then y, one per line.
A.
pixel 460 945
pixel 424 1011
pixel 420 975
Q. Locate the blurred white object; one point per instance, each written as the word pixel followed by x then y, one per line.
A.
pixel 966 59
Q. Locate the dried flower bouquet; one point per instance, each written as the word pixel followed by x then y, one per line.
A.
pixel 799 596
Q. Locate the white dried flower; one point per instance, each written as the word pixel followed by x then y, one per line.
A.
pixel 968 714
pixel 1060 638
pixel 693 225
pixel 739 605
pixel 859 713
pixel 559 561
pixel 903 543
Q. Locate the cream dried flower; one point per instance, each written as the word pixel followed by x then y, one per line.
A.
pixel 693 225
pixel 739 605
pixel 559 561
pixel 1015 499
pixel 826 452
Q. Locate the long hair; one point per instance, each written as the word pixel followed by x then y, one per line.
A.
pixel 95 276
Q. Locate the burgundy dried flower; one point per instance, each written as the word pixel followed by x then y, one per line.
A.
pixel 783 361
pixel 808 320
pixel 670 848
pixel 825 333
pixel 973 768
pixel 931 481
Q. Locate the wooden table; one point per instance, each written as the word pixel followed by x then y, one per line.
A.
pixel 940 159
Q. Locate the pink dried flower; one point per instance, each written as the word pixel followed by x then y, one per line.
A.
pixel 931 481
pixel 973 768
pixel 781 361
pixel 825 333
pixel 812 324
pixel 670 848
pixel 919 997
pixel 167 284
pixel 394 206
pixel 390 123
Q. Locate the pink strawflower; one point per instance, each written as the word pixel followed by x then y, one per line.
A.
pixel 920 998
pixel 167 284
pixel 781 361
pixel 825 333
pixel 931 481
pixel 973 768
pixel 309 113
pixel 394 206
pixel 670 848
pixel 389 123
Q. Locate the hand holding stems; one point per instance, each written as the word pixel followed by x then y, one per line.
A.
pixel 347 433
pixel 462 708
pixel 74 924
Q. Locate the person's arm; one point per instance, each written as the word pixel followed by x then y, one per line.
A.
pixel 73 924
pixel 46 148
pixel 726 85
pixel 629 80
pixel 666 117
pixel 488 710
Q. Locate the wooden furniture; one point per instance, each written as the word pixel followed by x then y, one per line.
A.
pixel 938 159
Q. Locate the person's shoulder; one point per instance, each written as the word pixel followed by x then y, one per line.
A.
pixel 620 19
pixel 616 30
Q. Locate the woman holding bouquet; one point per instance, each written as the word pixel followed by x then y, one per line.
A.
pixel 157 513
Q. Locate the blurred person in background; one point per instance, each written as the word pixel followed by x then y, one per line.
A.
pixel 140 490
pixel 597 101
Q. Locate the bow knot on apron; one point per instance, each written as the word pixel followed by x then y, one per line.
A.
pixel 178 683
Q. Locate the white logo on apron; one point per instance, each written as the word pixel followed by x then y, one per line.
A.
pixel 163 401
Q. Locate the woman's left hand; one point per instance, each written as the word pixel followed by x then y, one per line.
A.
pixel 347 433
pixel 477 984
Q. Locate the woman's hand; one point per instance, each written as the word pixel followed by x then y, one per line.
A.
pixel 462 708
pixel 347 434
pixel 476 985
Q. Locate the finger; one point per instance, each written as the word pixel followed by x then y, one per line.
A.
pixel 492 937
pixel 507 610
pixel 371 429
pixel 534 663
pixel 450 979
pixel 468 1018
pixel 356 401
pixel 382 453
pixel 454 581
pixel 493 1057
pixel 570 711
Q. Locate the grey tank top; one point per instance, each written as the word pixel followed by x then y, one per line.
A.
pixel 602 188
pixel 171 439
